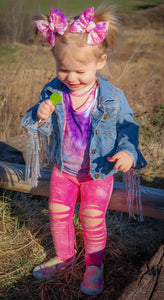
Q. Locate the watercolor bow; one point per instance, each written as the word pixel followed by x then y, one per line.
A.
pixel 57 23
pixel 97 32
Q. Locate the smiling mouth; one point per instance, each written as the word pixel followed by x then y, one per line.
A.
pixel 74 86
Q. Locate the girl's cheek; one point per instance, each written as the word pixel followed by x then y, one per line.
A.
pixel 60 76
pixel 84 78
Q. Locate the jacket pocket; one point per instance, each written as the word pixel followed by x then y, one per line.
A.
pixel 107 125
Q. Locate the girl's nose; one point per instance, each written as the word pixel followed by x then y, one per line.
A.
pixel 71 76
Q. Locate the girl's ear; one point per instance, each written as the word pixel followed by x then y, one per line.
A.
pixel 102 61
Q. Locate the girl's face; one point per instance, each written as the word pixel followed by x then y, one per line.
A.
pixel 77 66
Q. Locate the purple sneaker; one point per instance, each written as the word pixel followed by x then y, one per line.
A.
pixel 52 267
pixel 93 282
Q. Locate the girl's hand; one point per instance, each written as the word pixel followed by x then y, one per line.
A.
pixel 123 161
pixel 45 109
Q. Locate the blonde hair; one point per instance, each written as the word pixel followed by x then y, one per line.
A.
pixel 108 14
pixel 101 14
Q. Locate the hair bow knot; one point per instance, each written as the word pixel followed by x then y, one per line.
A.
pixel 57 23
pixel 90 26
pixel 97 32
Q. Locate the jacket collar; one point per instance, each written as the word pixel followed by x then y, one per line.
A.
pixel 107 90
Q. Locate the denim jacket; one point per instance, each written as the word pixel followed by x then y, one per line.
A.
pixel 113 128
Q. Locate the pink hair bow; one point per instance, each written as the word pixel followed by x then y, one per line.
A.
pixel 97 32
pixel 57 23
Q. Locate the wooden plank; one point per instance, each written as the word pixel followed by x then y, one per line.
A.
pixel 149 284
pixel 12 178
pixel 159 289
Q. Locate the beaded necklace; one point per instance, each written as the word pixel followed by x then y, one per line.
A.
pixel 83 94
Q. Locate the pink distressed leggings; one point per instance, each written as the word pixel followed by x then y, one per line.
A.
pixel 95 196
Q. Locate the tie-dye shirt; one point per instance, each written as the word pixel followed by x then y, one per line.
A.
pixel 76 137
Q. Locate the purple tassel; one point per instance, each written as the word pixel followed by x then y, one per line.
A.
pixel 133 193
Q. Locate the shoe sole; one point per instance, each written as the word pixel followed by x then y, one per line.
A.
pixel 90 292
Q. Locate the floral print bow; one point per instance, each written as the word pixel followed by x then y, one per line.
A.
pixel 97 32
pixel 57 23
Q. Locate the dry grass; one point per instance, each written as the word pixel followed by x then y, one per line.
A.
pixel 25 241
pixel 21 82
pixel 136 67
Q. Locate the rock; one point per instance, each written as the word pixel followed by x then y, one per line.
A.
pixel 13 150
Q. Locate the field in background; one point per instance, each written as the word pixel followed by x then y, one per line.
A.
pixel 137 67
pixel 73 6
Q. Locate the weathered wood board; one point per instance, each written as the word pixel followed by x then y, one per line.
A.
pixel 12 178
pixel 150 283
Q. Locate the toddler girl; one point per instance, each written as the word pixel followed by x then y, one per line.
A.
pixel 92 136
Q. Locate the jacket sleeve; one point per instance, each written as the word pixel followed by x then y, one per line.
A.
pixel 30 121
pixel 128 133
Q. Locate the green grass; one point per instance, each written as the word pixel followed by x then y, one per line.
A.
pixel 7 53
pixel 157 118
pixel 151 128
pixel 13 54
pixel 151 134
pixel 74 6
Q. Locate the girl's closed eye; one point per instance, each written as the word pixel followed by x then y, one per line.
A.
pixel 63 71
pixel 66 71
pixel 80 72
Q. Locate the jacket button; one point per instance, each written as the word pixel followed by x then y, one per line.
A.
pixel 94 151
pixel 105 116
pixel 27 121
pixel 97 176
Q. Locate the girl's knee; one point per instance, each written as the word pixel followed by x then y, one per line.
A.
pixel 57 209
pixel 91 217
